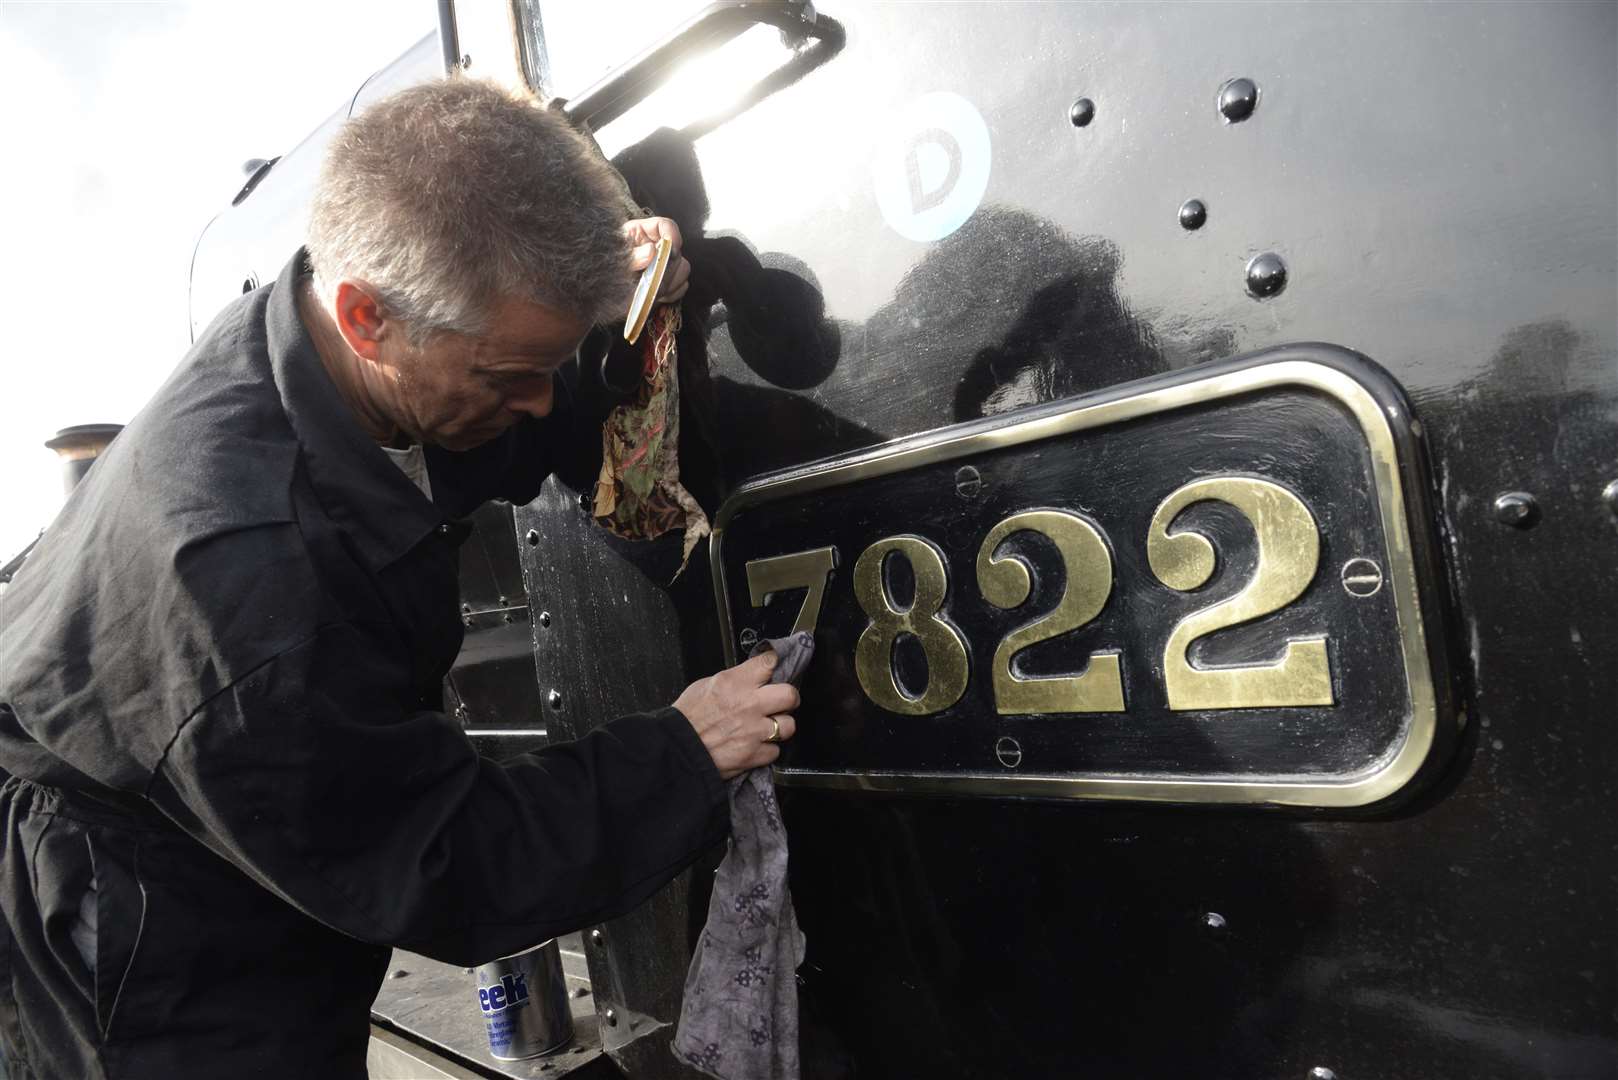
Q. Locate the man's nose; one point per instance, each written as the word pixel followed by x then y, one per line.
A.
pixel 535 398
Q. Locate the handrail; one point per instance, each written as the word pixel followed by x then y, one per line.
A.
pixel 620 91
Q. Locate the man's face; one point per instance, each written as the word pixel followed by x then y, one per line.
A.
pixel 457 391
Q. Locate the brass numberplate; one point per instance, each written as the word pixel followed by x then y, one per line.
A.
pixel 1210 587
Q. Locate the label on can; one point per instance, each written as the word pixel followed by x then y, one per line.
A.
pixel 524 1003
pixel 501 1003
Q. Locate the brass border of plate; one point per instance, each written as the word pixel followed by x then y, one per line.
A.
pixel 1380 780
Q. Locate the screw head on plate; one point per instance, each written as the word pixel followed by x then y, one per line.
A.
pixel 1361 577
pixel 1518 509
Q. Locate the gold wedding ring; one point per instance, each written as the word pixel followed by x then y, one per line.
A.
pixel 775 732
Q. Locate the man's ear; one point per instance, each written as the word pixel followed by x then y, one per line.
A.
pixel 361 320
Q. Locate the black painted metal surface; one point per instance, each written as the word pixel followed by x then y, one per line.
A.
pixel 1421 218
pixel 915 233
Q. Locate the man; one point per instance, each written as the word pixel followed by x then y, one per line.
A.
pixel 231 787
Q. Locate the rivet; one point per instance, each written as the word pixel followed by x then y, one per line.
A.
pixel 1609 495
pixel 1213 920
pixel 532 538
pixel 466 60
pixel 584 503
pixel 1193 214
pixel 555 699
pixel 748 639
pixel 1237 100
pixel 1361 578
pixel 1518 509
pixel 1266 275
pixel 967 482
pixel 544 618
pixel 508 617
pixel 597 937
pixel 611 1016
pixel 443 530
pixel 398 973
pixel 1320 1072
pixel 1082 112
pixel 503 602
pixel 581 991
pixel 466 609
pixel 1008 751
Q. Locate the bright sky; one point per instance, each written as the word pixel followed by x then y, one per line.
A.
pixel 124 127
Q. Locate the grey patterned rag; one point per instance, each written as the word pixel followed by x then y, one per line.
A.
pixel 739 1019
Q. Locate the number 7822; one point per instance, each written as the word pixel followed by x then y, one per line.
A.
pixel 1288 554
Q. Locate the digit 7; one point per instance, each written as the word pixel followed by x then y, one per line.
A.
pixel 801 570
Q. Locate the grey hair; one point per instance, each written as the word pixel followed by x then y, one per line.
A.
pixel 452 196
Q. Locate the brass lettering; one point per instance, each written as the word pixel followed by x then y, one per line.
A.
pixel 947 666
pixel 1005 583
pixel 801 570
pixel 1288 553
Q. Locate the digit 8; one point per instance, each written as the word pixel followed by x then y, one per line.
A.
pixel 947 667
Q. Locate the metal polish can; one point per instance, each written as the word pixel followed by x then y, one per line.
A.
pixel 524 1002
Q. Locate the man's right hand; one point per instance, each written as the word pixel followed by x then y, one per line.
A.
pixel 733 713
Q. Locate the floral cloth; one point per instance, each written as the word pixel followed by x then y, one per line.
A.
pixel 638 495
pixel 739 1018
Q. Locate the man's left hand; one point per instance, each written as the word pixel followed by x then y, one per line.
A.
pixel 643 235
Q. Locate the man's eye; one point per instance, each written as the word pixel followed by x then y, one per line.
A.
pixel 520 381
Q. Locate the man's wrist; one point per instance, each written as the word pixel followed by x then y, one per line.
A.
pixel 694 751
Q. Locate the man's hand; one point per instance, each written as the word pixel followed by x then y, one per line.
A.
pixel 733 713
pixel 643 235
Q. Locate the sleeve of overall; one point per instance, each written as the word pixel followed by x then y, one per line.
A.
pixel 381 821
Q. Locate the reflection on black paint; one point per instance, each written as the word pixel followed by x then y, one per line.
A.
pixel 774 313
pixel 1546 392
pixel 1039 308
pixel 773 317
pixel 1073 333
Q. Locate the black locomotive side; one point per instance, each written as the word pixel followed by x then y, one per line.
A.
pixel 934 225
